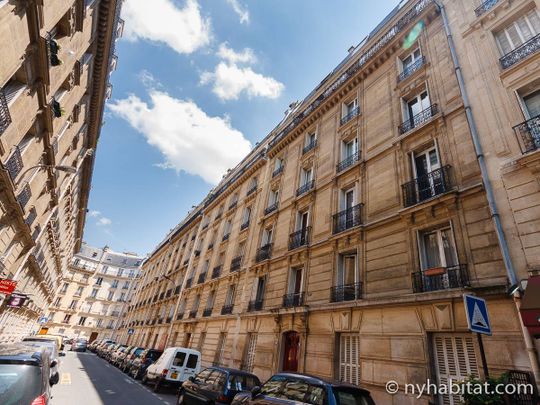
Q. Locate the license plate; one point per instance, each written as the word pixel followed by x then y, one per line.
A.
pixel 174 375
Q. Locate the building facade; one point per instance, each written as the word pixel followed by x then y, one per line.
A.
pixel 343 244
pixel 55 61
pixel 94 294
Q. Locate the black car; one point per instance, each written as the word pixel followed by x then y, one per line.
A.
pixel 289 388
pixel 141 363
pixel 25 376
pixel 216 385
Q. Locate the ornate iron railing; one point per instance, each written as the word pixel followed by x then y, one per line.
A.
pixel 346 292
pixel 521 52
pixel 227 309
pixel 305 188
pixel 518 378
pixel 252 190
pixel 264 253
pixel 216 271
pixel 485 6
pixel 409 70
pixel 255 305
pixel 244 225
pixel 278 171
pixel 347 218
pixel 421 118
pixel 193 313
pixel 353 113
pixel 271 208
pixel 440 279
pixel 36 232
pixel 348 161
pixel 427 186
pixel 233 205
pixel 225 237
pixel 309 146
pixel 179 315
pixel 293 300
pixel 210 246
pixel 299 238
pixel 201 278
pixel 189 282
pixel 528 134
pixel 5 116
pixel 236 263
pixel 14 164
pixel 207 312
pixel 24 196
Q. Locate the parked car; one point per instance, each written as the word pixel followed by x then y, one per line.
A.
pixel 102 349
pixel 291 388
pixel 53 338
pixel 79 345
pixel 141 363
pixel 216 385
pixel 51 347
pixel 118 354
pixel 111 354
pixel 25 376
pixel 127 361
pixel 173 367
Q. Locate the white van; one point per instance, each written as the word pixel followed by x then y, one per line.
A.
pixel 173 367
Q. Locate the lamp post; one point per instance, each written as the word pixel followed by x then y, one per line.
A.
pixel 62 168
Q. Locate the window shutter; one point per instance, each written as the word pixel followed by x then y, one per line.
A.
pixel 349 365
pixel 505 45
pixel 251 345
pixel 514 36
pixel 535 21
pixel 524 28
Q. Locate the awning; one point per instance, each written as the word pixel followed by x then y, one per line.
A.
pixel 530 306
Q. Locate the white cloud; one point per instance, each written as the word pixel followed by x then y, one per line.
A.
pixel 229 81
pixel 230 55
pixel 239 9
pixel 94 213
pixel 188 138
pixel 103 221
pixel 183 29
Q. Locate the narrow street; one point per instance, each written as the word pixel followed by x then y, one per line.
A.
pixel 86 378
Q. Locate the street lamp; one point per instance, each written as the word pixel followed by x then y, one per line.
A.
pixel 62 168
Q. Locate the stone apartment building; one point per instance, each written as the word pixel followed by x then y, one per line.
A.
pixel 94 294
pixel 55 61
pixel 343 244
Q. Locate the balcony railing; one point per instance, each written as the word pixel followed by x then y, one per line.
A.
pixel 36 232
pixel 409 70
pixel 348 161
pixel 189 282
pixel 255 305
pixel 346 292
pixel 197 253
pixel 14 164
pixel 24 196
pixel 207 312
pixel 521 52
pixel 5 116
pixel 485 7
pixel 528 134
pixel 252 190
pixel 179 315
pixel 31 217
pixel 309 146
pixel 201 278
pixel 299 238
pixel 305 188
pixel 427 186
pixel 177 289
pixel 233 205
pixel 347 219
pixel 278 171
pixel 293 300
pixel 210 246
pixel 264 253
pixel 216 271
pixel 245 225
pixel 353 113
pixel 193 313
pixel 236 263
pixel 271 208
pixel 421 118
pixel 227 309
pixel 440 278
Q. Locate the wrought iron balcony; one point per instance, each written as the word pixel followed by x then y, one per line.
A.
pixel 409 70
pixel 210 246
pixel 56 109
pixel 278 171
pixel 271 208
pixel 305 188
pixel 346 292
pixel 264 253
pixel 207 312
pixel 193 313
pixel 485 7
pixel 528 134
pixel 186 262
pixel 177 289
pixel 236 263
pixel 205 226
pixel 216 271
pixel 197 253
pixel 225 237
pixel 14 164
pixel 521 52
pixel 299 238
pixel 245 225
pixel 347 219
pixel 5 116
pixel 255 305
pixel 309 146
pixel 252 190
pixel 201 278
pixel 180 315
pixel 189 282
pixel 421 118
pixel 348 161
pixel 353 113
pixel 440 278
pixel 427 186
pixel 233 205
pixel 37 231
pixel 168 294
pixel 227 309
pixel 24 196
pixel 31 217
pixel 293 300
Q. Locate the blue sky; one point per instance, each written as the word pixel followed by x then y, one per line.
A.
pixel 198 83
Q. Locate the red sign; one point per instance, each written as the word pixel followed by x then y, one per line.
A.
pixel 7 286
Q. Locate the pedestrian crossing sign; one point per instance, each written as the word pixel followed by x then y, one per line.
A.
pixel 477 314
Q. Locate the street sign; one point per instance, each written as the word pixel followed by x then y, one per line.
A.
pixel 7 286
pixel 131 331
pixel 477 314
pixel 16 300
pixel 43 319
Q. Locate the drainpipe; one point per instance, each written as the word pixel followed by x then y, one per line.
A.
pixel 510 271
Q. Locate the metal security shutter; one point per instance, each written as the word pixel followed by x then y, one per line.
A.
pixel 455 358
pixel 249 359
pixel 349 365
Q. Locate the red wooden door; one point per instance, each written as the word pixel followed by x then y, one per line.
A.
pixel 290 351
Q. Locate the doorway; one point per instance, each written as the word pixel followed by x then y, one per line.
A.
pixel 291 346
pixel 93 337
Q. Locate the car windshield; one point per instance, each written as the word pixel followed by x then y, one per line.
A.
pixel 138 352
pixel 346 396
pixel 19 384
pixel 242 382
pixel 294 389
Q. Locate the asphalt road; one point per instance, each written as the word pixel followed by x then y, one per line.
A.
pixel 87 379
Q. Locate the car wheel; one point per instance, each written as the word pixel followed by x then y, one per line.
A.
pixel 144 379
pixel 157 385
pixel 180 400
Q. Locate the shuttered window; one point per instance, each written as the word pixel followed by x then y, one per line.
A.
pixel 455 358
pixel 249 355
pixel 220 349
pixel 349 364
pixel 518 32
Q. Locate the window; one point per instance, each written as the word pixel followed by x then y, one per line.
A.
pixel 273 197
pixel 409 63
pixel 202 376
pixel 260 284
pixel 99 280
pixel 110 296
pixel 267 236
pixel 210 300
pixel 82 320
pixel 79 291
pixel 518 32
pixel 179 359
pixel 196 301
pixel 99 323
pixel 227 229
pixel 126 285
pixel 73 304
pixel 229 298
pixel 278 164
pixel 120 272
pixel 122 297
pixel 67 318
pixel 532 105
pixel 347 269
pixel 220 349
pixel 104 269
pixel 64 288
pixel 249 354
pixel 57 302
pixel 349 108
pixel 132 273
pixel 349 352
pixel 246 216
pixel 415 106
pixel 295 281
pixel 192 361
pixel 200 344
pixel 306 175
pixel 94 293
pixel 347 199
pixel 311 138
pixel 114 284
pixel 437 248
pixel 349 148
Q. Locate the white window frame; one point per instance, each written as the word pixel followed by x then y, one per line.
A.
pixel 422 249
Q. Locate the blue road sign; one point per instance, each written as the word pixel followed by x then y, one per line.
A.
pixel 43 319
pixel 131 331
pixel 477 314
